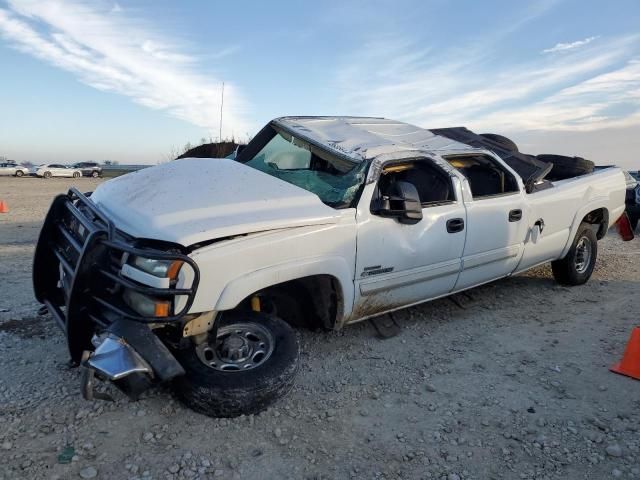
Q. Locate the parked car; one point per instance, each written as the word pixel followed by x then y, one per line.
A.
pixel 57 170
pixel 89 169
pixel 196 272
pixel 13 169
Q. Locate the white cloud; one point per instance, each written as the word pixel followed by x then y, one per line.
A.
pixel 563 47
pixel 111 52
pixel 585 89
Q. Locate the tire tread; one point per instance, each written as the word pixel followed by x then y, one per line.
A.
pixel 227 394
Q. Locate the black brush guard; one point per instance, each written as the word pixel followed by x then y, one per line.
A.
pixel 76 275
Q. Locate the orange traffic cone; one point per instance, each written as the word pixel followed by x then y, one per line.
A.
pixel 630 364
pixel 4 208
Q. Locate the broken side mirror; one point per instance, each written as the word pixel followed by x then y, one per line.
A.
pixel 400 201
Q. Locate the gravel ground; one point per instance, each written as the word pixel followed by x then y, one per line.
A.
pixel 510 381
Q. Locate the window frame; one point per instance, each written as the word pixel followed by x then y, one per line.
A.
pixel 269 131
pixel 375 198
pixel 496 163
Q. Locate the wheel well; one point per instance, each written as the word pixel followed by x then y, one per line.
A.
pixel 318 298
pixel 598 217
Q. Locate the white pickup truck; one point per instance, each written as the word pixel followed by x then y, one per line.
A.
pixel 197 271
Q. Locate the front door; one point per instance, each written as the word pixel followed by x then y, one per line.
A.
pixel 399 264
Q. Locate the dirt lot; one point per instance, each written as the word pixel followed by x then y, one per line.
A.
pixel 513 383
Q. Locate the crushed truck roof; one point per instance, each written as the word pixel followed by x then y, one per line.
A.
pixel 367 138
pixel 370 138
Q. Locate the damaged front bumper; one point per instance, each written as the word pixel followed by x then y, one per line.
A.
pixel 78 276
pixel 131 356
pixel 113 359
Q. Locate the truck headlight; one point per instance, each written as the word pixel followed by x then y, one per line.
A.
pixel 158 268
pixel 145 305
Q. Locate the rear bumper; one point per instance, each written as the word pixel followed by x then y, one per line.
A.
pixel 76 275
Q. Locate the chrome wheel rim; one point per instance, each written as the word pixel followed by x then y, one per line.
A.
pixel 238 347
pixel 583 255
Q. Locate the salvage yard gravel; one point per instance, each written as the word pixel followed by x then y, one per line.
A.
pixel 509 381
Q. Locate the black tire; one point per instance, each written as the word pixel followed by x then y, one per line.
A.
pixel 95 174
pixel 633 220
pixel 566 167
pixel 504 141
pixel 46 175
pixel 220 393
pixel 76 175
pixel 19 173
pixel 566 271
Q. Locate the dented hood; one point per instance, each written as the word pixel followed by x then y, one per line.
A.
pixel 197 199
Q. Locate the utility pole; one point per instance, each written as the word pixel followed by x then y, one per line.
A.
pixel 221 105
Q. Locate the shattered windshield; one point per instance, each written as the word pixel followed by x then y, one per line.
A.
pixel 336 181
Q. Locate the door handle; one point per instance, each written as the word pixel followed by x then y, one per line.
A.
pixel 515 215
pixel 455 225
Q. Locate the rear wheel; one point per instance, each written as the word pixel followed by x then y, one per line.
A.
pixel 76 175
pixel 95 174
pixel 576 268
pixel 19 173
pixel 251 363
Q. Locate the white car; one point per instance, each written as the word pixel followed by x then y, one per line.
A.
pixel 57 170
pixel 198 270
pixel 13 170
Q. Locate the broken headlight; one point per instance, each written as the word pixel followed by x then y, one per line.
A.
pixel 145 305
pixel 158 268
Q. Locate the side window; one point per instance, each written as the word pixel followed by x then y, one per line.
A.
pixel 486 177
pixel 433 185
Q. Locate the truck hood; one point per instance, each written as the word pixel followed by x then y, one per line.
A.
pixel 193 200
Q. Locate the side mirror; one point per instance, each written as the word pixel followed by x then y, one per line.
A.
pixel 401 201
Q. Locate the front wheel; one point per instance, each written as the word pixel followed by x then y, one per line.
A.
pixel 19 173
pixel 576 268
pixel 46 174
pixel 95 174
pixel 76 175
pixel 250 364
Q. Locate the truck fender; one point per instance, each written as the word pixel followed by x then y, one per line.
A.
pixel 240 288
pixel 595 204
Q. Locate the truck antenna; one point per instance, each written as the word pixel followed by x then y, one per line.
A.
pixel 221 105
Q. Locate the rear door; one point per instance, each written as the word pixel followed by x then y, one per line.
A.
pixel 496 219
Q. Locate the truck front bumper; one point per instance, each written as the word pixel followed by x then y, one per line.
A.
pixel 130 355
pixel 77 276
pixel 113 359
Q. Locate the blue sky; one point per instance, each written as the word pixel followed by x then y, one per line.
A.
pixel 131 81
